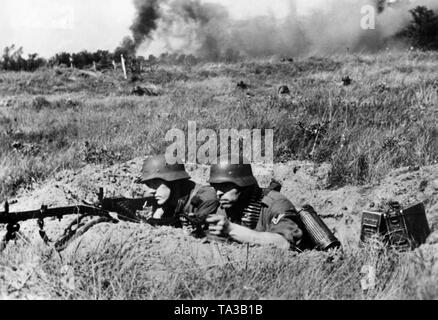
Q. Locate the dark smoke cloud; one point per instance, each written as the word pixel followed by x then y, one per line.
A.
pixel 208 30
pixel 146 20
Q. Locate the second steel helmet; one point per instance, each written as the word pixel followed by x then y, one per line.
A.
pixel 156 167
pixel 239 174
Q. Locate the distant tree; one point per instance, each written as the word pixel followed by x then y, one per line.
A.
pixel 152 59
pixel 103 59
pixel 135 66
pixel 34 62
pixel 173 58
pixel 6 59
pixel 62 58
pixel 12 59
pixel 422 32
pixel 83 59
pixel 141 60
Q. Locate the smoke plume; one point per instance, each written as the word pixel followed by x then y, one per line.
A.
pixel 208 30
pixel 146 19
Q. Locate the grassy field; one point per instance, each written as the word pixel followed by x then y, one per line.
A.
pixel 57 119
pixel 60 118
pixel 136 268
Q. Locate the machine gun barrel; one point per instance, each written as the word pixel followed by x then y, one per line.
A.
pixel 14 217
pixel 126 209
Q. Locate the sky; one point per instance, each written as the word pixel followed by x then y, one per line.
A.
pixel 50 26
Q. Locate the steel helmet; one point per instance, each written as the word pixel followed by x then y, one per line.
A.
pixel 239 174
pixel 156 167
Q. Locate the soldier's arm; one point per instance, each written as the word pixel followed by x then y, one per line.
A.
pixel 282 216
pixel 276 227
pixel 221 226
pixel 245 235
pixel 205 203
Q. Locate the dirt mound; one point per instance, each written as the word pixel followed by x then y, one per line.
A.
pixel 303 183
pixel 161 253
pixel 157 243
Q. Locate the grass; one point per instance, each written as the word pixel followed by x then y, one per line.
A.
pixel 61 119
pixel 126 270
pixel 384 120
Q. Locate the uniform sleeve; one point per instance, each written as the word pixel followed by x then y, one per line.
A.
pixel 205 202
pixel 281 221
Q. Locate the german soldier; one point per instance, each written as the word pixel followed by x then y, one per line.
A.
pixel 249 214
pixel 176 199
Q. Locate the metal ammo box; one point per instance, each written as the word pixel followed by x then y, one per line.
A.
pixel 404 229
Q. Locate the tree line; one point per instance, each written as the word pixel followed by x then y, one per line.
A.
pixel 12 59
pixel 421 33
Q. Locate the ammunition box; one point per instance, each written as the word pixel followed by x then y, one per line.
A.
pixel 403 229
pixel 371 225
pixel 397 233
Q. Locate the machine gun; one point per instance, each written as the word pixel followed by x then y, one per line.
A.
pixel 126 210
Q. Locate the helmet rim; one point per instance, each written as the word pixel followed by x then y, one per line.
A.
pixel 240 182
pixel 167 176
pixel 156 167
pixel 239 174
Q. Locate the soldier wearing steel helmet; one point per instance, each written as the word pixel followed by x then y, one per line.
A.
pixel 249 214
pixel 177 199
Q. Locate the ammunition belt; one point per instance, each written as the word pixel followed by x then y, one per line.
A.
pixel 251 214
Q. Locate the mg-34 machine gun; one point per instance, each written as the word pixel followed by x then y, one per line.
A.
pixel 125 209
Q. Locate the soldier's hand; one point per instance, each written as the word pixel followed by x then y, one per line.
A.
pixel 219 225
pixel 159 213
